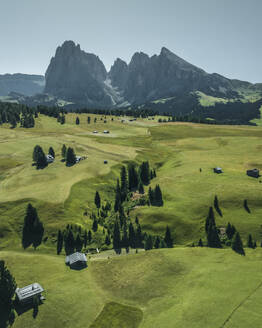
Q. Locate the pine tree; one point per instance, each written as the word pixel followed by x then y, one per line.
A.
pixel 125 240
pixel 158 196
pixel 69 242
pixel 51 152
pixel 33 229
pixel 144 173
pixel 213 237
pixel 97 200
pixel 131 236
pixel 148 242
pixel 64 151
pixel 157 242
pixel 168 239
pixel 95 225
pixel 78 243
pixel 132 177
pixel 237 245
pixel 250 242
pixel 151 196
pixel 59 245
pixel 70 157
pixel 116 238
pixel 85 239
pixel 210 220
pixel 141 188
pixel 89 237
pixel 7 292
pixel 123 183
pixel 39 157
pixel 117 197
pixel 139 236
pixel 77 120
pixel 200 243
pixel 88 120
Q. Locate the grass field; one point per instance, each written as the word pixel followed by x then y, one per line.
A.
pixel 182 287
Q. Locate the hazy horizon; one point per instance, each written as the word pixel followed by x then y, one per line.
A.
pixel 217 36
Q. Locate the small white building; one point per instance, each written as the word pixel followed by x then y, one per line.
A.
pixel 27 293
pixel 49 158
pixel 106 131
pixel 95 131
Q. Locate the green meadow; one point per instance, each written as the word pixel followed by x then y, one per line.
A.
pixel 180 287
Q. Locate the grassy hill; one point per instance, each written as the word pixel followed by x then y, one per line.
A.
pixel 177 151
pixel 180 287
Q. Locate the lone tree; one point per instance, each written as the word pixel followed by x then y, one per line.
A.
pixel 51 152
pixel 39 157
pixel 7 291
pixel 97 200
pixel 158 196
pixel 33 229
pixel 63 151
pixel 77 120
pixel 237 244
pixel 70 157
pixel 250 241
pixel 200 243
pixel 168 239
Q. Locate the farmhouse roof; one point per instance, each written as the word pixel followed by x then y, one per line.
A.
pixel 29 291
pixel 76 257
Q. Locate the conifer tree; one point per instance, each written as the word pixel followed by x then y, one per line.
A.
pixel 107 240
pixel 168 239
pixel 78 243
pixel 250 241
pixel 7 292
pixel 89 237
pixel 125 240
pixel 132 177
pixel 69 242
pixel 117 197
pixel 144 173
pixel 151 196
pixel 237 245
pixel 97 200
pixel 88 120
pixel 141 188
pixel 95 225
pixel 77 120
pixel 33 229
pixel 70 157
pixel 51 152
pixel 123 185
pixel 158 196
pixel 213 237
pixel 210 220
pixel 131 236
pixel 157 242
pixel 59 245
pixel 139 236
pixel 85 239
pixel 64 151
pixel 116 238
pixel 148 242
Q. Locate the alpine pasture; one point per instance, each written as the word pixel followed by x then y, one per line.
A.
pixel 180 287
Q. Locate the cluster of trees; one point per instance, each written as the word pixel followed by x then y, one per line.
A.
pixel 133 237
pixel 72 239
pixel 39 156
pixel 68 155
pixel 15 113
pixel 33 229
pixel 155 196
pixel 133 179
pixel 7 291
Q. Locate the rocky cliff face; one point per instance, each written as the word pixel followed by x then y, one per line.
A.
pixel 81 78
pixel 77 76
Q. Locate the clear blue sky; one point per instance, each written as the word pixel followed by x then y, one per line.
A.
pixel 222 36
